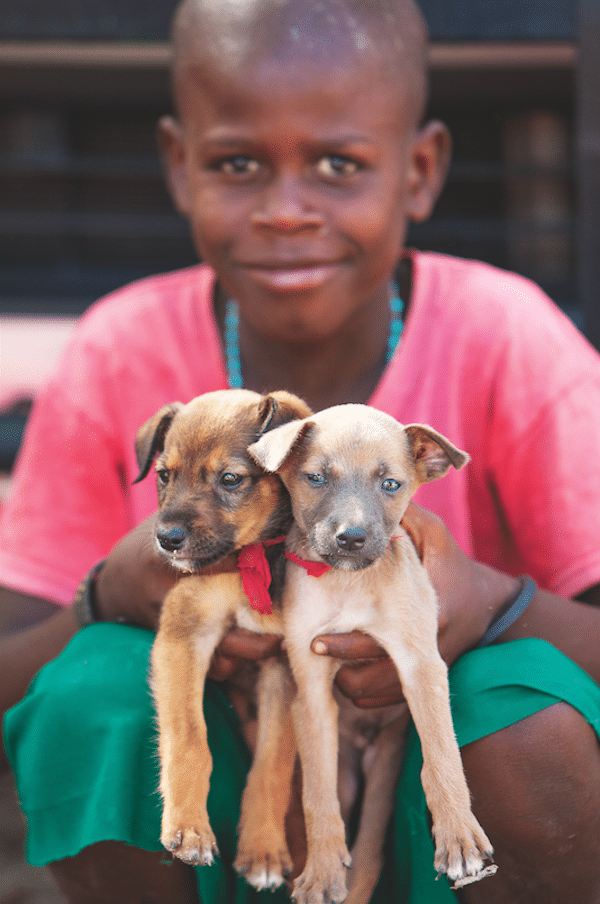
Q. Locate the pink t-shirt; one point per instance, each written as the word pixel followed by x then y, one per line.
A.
pixel 485 358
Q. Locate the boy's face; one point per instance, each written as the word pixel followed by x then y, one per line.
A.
pixel 298 182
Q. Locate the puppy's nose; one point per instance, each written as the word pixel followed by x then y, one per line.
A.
pixel 171 538
pixel 351 538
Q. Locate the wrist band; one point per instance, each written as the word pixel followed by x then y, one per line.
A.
pixel 511 615
pixel 84 601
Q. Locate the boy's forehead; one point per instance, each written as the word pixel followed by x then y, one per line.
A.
pixel 248 35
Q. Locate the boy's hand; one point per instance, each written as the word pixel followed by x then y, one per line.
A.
pixel 238 646
pixel 135 579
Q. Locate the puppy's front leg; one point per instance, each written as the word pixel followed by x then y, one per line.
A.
pixel 315 713
pixel 181 657
pixel 461 843
pixel 262 854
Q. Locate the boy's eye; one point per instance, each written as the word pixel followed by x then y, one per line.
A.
pixel 334 166
pixel 390 485
pixel 239 165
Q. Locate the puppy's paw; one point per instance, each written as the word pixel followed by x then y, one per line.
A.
pixel 461 851
pixel 194 846
pixel 264 868
pixel 324 878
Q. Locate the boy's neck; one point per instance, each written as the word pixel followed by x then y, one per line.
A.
pixel 343 368
pixel 322 377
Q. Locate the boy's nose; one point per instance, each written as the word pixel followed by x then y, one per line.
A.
pixel 283 206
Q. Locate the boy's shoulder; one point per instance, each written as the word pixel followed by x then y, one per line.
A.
pixel 143 328
pixel 457 276
pixel 479 297
pixel 482 312
pixel 141 305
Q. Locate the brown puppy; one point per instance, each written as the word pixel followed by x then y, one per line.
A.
pixel 350 472
pixel 215 504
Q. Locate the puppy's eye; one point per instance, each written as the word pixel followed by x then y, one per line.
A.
pixel 317 480
pixel 390 485
pixel 162 476
pixel 230 481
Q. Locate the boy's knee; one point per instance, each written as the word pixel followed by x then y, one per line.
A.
pixel 536 791
pixel 539 775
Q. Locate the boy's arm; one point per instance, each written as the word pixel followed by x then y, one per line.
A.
pixel 591 596
pixel 571 626
pixel 32 632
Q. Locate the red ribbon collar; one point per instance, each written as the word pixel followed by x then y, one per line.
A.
pixel 314 569
pixel 256 575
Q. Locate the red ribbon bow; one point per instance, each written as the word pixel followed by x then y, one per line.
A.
pixel 256 577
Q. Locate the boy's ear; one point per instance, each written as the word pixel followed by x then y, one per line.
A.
pixel 429 162
pixel 172 151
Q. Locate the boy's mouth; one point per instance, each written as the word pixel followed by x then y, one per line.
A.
pixel 291 276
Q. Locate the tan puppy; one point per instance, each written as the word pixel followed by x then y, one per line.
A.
pixel 215 504
pixel 350 472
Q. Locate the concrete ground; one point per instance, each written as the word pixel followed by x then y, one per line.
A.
pixel 19 882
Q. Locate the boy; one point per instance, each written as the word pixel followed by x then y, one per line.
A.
pixel 298 157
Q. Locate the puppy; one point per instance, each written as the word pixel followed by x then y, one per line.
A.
pixel 216 507
pixel 350 472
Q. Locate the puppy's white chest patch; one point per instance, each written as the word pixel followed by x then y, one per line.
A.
pixel 338 601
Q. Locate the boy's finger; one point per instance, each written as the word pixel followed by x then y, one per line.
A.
pixel 241 644
pixel 222 667
pixel 348 646
pixel 375 680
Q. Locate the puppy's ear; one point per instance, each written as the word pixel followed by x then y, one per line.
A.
pixel 432 453
pixel 274 447
pixel 279 408
pixel 150 439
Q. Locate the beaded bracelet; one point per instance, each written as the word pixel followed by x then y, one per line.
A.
pixel 84 601
pixel 504 622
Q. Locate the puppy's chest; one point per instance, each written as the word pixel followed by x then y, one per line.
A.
pixel 338 601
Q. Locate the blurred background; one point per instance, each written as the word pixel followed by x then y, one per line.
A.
pixel 83 208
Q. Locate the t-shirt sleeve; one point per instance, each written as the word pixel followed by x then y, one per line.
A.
pixel 549 490
pixel 543 452
pixel 68 504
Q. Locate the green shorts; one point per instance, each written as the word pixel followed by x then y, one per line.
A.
pixel 83 748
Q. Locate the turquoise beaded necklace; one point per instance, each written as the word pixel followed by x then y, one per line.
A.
pixel 233 359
